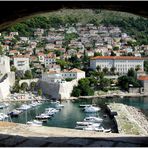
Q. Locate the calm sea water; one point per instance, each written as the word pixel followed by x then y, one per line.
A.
pixel 71 113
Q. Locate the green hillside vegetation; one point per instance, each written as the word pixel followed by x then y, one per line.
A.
pixel 133 25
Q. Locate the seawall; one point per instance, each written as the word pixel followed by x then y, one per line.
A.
pixel 129 120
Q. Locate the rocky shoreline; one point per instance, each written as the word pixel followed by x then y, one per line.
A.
pixel 139 117
pixel 130 120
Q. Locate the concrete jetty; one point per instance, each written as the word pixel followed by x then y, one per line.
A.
pixel 129 119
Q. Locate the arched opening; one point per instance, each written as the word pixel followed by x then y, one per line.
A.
pixel 21 11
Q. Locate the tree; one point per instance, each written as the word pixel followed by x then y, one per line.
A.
pixel 13 68
pixel 83 88
pixel 105 70
pixel 40 92
pixel 76 92
pixel 113 53
pixel 97 54
pixel 16 87
pixel 1 50
pixel 98 68
pixel 138 67
pixel 132 73
pixel 32 85
pixel 63 64
pixel 113 70
pixel 24 86
pixel 28 74
pixel 104 82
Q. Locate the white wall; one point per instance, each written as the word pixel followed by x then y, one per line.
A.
pixel 22 63
pixel 4 88
pixel 4 64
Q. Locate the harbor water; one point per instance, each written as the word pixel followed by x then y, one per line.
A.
pixel 71 113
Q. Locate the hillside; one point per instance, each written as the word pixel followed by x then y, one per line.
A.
pixel 133 25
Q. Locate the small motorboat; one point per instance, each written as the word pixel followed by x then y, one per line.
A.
pixel 92 128
pixel 24 107
pixel 59 106
pixel 43 116
pixel 84 105
pixel 91 109
pixel 3 116
pixel 34 104
pixel 93 119
pixel 35 123
pixel 84 123
pixel 15 112
pixel 52 110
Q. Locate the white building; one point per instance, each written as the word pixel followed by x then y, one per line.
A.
pixel 49 59
pixel 41 57
pixel 21 63
pixel 121 63
pixel 73 73
pixel 52 77
pixel 4 64
pixel 58 77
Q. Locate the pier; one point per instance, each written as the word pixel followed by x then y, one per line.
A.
pixel 129 119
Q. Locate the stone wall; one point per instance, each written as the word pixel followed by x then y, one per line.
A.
pixel 134 90
pixel 4 88
pixel 11 76
pixel 57 90
pixel 51 89
pixel 66 89
pixel 28 81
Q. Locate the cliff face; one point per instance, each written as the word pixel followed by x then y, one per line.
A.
pixel 58 90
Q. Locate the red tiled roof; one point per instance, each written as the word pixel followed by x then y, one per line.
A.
pixel 143 78
pixel 22 56
pixel 40 54
pixel 13 51
pixel 117 58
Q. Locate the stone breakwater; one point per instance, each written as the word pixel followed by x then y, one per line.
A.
pixel 139 117
pixel 130 120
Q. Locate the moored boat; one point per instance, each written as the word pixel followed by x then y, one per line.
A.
pixel 35 123
pixel 93 119
pixel 91 109
pixel 43 116
pixel 15 112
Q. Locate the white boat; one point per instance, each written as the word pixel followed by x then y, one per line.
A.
pixel 84 105
pixel 91 109
pixel 34 104
pixel 93 119
pixel 35 123
pixel 24 107
pixel 3 116
pixel 59 106
pixel 15 112
pixel 84 123
pixel 53 110
pixel 81 125
pixel 4 105
pixel 43 116
pixel 93 128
